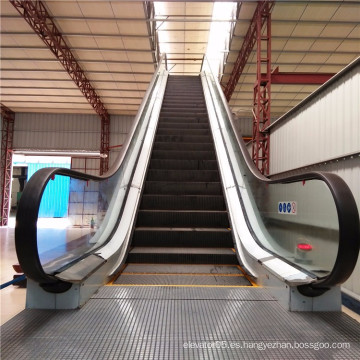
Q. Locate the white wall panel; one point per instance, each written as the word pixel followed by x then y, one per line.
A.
pixel 325 127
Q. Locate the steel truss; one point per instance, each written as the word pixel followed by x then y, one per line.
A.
pixel 7 136
pixel 262 88
pixel 36 15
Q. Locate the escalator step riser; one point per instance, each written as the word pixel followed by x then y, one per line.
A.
pixel 193 120
pixel 176 238
pixel 182 188
pixel 164 164
pixel 182 259
pixel 183 155
pixel 173 102
pixel 183 146
pixel 183 114
pixel 182 219
pixel 184 138
pixel 183 109
pixel 188 202
pixel 171 132
pixel 174 175
pixel 182 126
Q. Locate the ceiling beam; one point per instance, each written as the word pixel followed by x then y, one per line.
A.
pixel 83 35
pixel 78 77
pixel 37 16
pixel 196 19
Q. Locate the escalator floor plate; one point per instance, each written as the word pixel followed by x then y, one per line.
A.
pixel 178 323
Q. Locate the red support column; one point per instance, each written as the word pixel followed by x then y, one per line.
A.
pixel 262 89
pixel 7 136
pixel 246 48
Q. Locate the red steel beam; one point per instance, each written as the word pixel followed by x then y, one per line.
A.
pixel 7 136
pixel 37 16
pixel 246 49
pixel 300 78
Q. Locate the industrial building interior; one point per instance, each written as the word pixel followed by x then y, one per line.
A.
pixel 81 80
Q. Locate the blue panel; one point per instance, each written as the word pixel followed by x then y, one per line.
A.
pixel 55 199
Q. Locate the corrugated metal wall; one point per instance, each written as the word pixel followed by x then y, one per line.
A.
pixel 56 132
pixel 326 127
pixel 68 132
pixel 119 128
pixel 243 125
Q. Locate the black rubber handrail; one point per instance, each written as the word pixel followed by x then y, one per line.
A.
pixel 348 215
pixel 26 226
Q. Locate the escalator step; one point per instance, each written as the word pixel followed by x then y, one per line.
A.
pixel 182 255
pixel 182 237
pixel 176 132
pixel 180 175
pixel 183 155
pixel 184 146
pixel 189 119
pixel 184 138
pixel 166 164
pixel 182 202
pixel 182 188
pixel 166 125
pixel 179 218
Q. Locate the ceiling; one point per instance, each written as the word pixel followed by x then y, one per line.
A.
pixel 116 45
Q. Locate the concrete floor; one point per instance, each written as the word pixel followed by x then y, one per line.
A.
pixel 12 298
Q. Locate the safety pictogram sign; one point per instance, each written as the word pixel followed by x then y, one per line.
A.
pixel 287 207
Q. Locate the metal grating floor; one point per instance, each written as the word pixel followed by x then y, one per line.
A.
pixel 178 323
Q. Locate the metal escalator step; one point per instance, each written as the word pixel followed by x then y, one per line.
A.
pixel 180 175
pixel 184 138
pixel 177 132
pixel 166 164
pixel 184 146
pixel 182 202
pixel 182 114
pixel 179 126
pixel 178 109
pixel 182 255
pixel 192 120
pixel 181 218
pixel 182 188
pixel 183 155
pixel 170 102
pixel 182 237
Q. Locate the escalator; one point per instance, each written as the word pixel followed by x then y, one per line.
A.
pixel 182 225
pixel 184 205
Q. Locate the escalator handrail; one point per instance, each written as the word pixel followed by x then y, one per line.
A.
pixel 28 208
pixel 348 215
